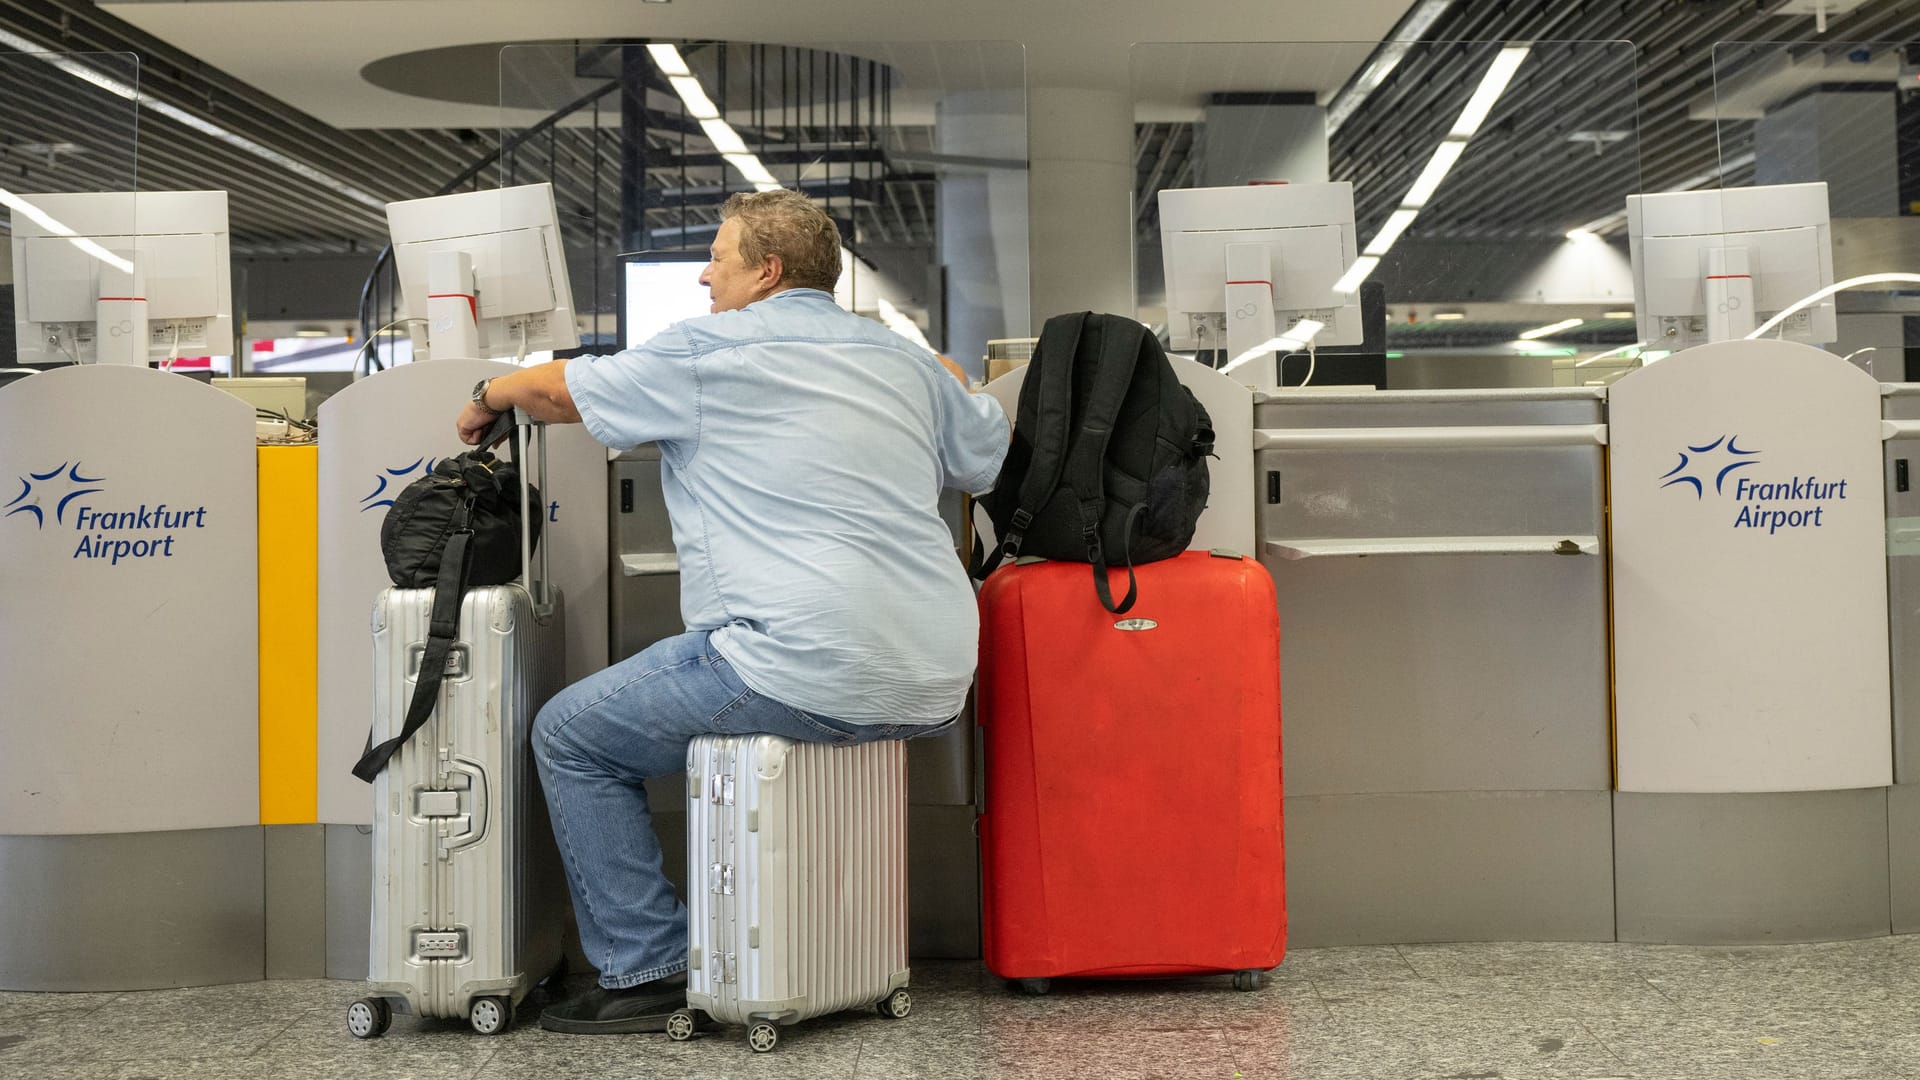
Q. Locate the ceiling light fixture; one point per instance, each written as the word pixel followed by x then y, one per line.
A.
pixel 1384 60
pixel 1551 328
pixel 1445 156
pixel 180 116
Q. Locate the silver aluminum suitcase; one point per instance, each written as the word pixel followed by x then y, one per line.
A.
pixel 797 882
pixel 468 892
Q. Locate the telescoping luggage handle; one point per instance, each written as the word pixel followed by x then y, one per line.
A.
pixel 451 586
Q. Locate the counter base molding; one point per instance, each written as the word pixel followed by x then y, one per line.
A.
pixel 132 911
pixel 1752 868
pixel 1449 866
pixel 349 900
pixel 1903 831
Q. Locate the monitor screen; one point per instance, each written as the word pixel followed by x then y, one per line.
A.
pixel 658 289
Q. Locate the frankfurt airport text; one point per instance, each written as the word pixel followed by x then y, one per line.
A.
pixel 1755 514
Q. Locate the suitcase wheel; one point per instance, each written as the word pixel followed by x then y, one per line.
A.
pixel 490 1015
pixel 1036 987
pixel 897 1005
pixel 681 1025
pixel 369 1018
pixel 1249 979
pixel 763 1037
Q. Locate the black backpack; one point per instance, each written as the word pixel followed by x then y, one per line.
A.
pixel 1109 453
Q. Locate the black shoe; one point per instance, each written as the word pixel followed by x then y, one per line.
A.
pixel 636 1009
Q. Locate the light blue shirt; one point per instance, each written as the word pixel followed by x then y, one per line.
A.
pixel 803 450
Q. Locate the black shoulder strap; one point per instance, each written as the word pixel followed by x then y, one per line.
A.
pixel 1121 340
pixel 1052 366
pixel 443 629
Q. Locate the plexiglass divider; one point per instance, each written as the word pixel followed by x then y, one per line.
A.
pixel 1815 191
pixel 918 152
pixel 1481 173
pixel 66 211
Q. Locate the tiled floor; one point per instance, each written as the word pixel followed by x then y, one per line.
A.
pixel 1844 1011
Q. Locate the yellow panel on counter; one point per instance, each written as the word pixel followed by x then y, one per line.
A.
pixel 289 634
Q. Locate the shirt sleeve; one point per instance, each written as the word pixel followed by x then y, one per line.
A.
pixel 973 436
pixel 650 393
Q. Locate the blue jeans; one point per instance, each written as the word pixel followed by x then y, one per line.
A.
pixel 597 742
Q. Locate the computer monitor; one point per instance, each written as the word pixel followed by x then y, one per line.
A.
pixel 121 276
pixel 1712 265
pixel 486 270
pixel 658 289
pixel 1244 265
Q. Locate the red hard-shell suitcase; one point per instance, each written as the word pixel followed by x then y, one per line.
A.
pixel 1133 814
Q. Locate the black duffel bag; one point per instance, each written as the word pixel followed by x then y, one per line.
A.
pixel 458 526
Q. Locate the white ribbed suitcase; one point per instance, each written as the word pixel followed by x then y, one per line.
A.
pixel 797 882
pixel 469 899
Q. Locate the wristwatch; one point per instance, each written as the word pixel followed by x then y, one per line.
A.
pixel 480 397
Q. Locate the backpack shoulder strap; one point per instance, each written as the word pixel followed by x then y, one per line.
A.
pixel 443 629
pixel 1121 342
pixel 1050 381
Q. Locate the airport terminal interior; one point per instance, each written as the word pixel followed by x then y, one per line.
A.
pixel 1557 713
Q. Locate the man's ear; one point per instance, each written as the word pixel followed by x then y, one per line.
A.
pixel 772 271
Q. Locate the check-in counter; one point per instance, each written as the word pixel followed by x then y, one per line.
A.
pixel 1900 410
pixel 1753 737
pixel 1437 558
pixel 131 853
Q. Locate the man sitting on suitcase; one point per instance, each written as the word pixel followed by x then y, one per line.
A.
pixel 803 451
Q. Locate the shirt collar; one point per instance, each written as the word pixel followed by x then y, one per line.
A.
pixel 796 294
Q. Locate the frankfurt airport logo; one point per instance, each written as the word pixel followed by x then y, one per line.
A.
pixel 37 489
pixel 61 498
pixel 1762 501
pixel 390 481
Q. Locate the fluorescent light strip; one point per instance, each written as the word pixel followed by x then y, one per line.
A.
pixel 1349 282
pixel 1551 328
pixel 60 228
pixel 178 115
pixel 699 105
pixel 1396 224
pixel 1492 85
pixel 724 138
pixel 1297 337
pixel 667 58
pixel 1385 59
pixel 1444 157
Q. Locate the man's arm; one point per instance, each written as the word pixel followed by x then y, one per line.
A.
pixel 541 391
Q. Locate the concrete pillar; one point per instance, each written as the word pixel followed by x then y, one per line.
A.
pixel 1081 195
pixel 1263 136
pixel 983 223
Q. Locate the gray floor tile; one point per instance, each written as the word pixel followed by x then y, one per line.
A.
pixel 1811 1045
pixel 1096 1051
pixel 1841 1011
pixel 1470 999
pixel 1573 959
pixel 1357 961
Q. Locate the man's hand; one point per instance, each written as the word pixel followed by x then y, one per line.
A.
pixel 474 422
pixel 539 391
